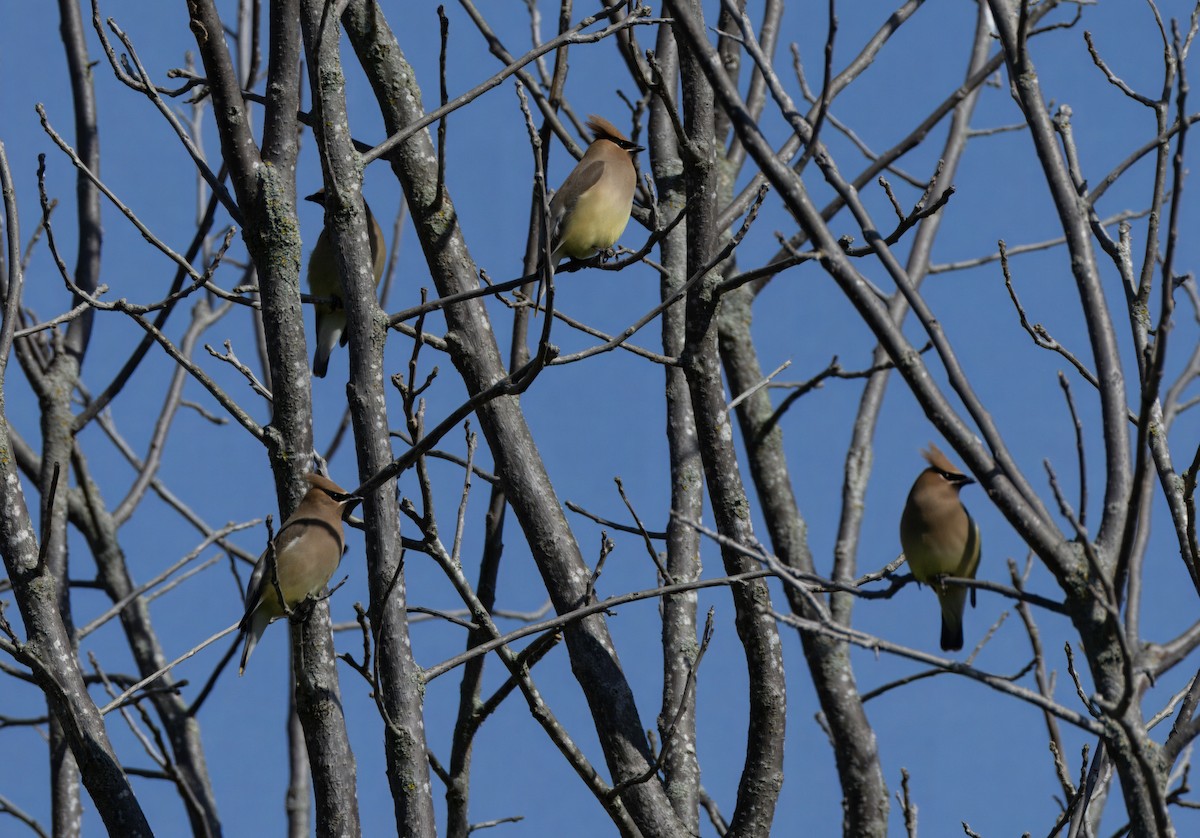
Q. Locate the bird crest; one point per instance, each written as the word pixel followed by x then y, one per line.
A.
pixel 322 482
pixel 934 456
pixel 602 129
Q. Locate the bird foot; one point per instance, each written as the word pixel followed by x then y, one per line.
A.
pixel 302 610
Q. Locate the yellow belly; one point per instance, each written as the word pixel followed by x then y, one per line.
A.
pixel 596 222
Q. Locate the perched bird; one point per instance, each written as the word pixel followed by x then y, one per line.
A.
pixel 590 210
pixel 323 282
pixel 940 539
pixel 306 550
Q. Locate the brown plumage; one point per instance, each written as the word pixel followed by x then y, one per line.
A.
pixel 307 548
pixel 940 539
pixel 591 209
pixel 323 282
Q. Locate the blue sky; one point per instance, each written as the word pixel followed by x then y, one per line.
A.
pixel 974 756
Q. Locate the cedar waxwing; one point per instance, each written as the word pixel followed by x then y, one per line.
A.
pixel 940 539
pixel 307 551
pixel 590 210
pixel 323 282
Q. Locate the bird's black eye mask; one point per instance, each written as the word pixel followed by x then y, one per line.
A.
pixel 953 477
pixel 348 500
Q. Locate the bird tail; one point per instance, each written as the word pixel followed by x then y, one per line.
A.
pixel 952 633
pixel 330 325
pixel 953 599
pixel 320 362
pixel 257 625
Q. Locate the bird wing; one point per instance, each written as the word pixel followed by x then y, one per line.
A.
pixel 254 589
pixel 378 245
pixel 322 270
pixel 581 179
pixel 972 555
pixel 293 529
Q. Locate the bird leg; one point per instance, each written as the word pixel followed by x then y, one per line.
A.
pixel 302 611
pixel 939 585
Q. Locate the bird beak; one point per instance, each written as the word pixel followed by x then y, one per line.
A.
pixel 637 148
pixel 317 197
pixel 348 506
pixel 347 500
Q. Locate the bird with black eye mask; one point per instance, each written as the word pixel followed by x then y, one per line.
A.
pixel 941 539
